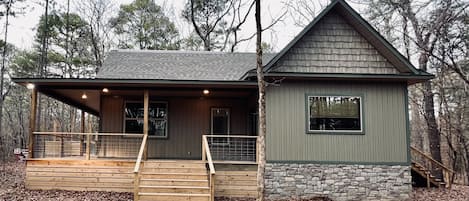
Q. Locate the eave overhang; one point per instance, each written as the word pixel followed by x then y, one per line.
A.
pixel 408 78
pixel 70 90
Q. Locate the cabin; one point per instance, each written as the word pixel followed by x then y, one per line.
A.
pixel 182 125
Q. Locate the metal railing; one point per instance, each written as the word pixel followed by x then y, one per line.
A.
pixel 86 145
pixel 207 157
pixel 233 148
pixel 432 166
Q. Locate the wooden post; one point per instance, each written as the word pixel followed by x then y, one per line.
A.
pixel 212 187
pixel 82 130
pixel 428 180
pixel 88 139
pixel 146 98
pixel 32 122
pixel 136 181
pixel 203 149
pixel 257 150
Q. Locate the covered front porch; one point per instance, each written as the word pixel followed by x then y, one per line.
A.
pixel 144 126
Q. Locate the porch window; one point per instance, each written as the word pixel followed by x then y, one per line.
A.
pixel 157 118
pixel 334 114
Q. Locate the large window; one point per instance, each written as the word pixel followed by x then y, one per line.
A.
pixel 157 118
pixel 335 114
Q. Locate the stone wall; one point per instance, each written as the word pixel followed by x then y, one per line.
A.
pixel 338 182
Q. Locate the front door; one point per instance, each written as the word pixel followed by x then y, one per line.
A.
pixel 220 121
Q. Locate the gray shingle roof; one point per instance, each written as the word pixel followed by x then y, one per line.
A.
pixel 177 65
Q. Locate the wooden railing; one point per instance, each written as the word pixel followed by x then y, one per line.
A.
pixel 138 165
pixel 431 164
pixel 207 157
pixel 78 145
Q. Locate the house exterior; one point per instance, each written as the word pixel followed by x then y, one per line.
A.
pixel 337 120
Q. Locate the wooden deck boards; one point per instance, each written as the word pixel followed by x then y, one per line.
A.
pixel 117 176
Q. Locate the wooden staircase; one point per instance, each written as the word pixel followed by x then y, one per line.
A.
pixel 423 176
pixel 173 181
pixel 423 166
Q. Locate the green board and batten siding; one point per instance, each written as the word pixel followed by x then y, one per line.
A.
pixel 384 140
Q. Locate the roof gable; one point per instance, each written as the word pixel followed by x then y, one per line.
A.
pixel 385 54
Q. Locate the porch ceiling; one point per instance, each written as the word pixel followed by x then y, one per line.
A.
pixel 70 91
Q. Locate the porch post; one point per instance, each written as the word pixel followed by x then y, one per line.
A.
pixel 32 122
pixel 82 130
pixel 88 140
pixel 146 98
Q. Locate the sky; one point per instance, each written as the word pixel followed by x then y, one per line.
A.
pixel 23 27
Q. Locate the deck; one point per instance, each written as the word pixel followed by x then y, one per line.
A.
pixel 118 175
pixel 65 161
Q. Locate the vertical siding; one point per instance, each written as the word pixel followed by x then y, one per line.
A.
pixel 189 118
pixel 112 110
pixel 384 138
pixel 334 46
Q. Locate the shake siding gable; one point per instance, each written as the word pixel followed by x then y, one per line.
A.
pixel 334 46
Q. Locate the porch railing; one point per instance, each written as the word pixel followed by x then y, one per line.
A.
pixel 138 166
pixel 233 148
pixel 86 145
pixel 207 157
pixel 431 166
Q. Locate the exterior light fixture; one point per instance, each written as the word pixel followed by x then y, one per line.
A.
pixel 30 86
pixel 105 90
pixel 206 91
pixel 84 96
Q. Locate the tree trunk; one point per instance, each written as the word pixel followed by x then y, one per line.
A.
pixel 261 102
pixel 2 80
pixel 434 137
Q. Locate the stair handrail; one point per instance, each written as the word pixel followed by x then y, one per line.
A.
pixel 207 157
pixel 447 172
pixel 431 159
pixel 138 165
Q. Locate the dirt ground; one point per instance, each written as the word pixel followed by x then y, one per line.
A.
pixel 12 188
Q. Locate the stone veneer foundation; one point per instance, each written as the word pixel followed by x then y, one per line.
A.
pixel 338 182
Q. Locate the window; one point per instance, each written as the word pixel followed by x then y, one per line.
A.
pixel 157 118
pixel 220 121
pixel 334 114
pixel 220 125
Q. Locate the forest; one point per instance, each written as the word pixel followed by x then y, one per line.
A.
pixel 72 39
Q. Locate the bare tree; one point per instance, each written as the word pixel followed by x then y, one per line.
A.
pixel 207 19
pixel 97 13
pixel 262 114
pixel 303 12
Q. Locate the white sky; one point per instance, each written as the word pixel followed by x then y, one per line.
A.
pixel 22 27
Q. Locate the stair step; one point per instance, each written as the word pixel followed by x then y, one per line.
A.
pixel 195 176
pixel 175 189
pixel 174 170
pixel 173 196
pixel 178 187
pixel 174 165
pixel 174 182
